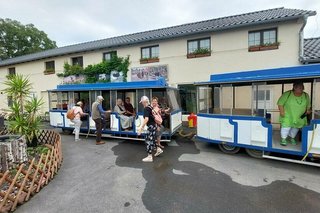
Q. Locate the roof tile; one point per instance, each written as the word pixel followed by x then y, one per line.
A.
pixel 223 23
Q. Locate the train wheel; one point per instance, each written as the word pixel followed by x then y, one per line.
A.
pixel 229 149
pixel 67 131
pixel 255 153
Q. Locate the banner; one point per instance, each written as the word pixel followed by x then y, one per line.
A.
pixel 149 73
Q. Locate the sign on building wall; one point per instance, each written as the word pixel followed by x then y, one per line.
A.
pixel 74 79
pixel 149 73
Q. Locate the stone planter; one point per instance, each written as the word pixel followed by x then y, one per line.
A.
pixel 13 150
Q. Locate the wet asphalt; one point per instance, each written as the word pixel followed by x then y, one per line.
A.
pixel 188 177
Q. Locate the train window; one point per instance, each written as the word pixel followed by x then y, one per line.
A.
pixel 174 101
pixel 188 95
pixel 106 102
pixel 159 94
pixel 132 97
pixel 140 93
pixel 242 100
pixel 216 100
pixel 53 97
pixel 316 99
pixel 113 99
pixel 204 99
pixel 226 99
pixel 259 97
pixel 84 98
pixel 59 101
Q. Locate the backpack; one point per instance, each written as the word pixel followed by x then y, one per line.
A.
pixel 157 116
pixel 70 114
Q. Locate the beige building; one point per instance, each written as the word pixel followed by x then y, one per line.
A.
pixel 189 52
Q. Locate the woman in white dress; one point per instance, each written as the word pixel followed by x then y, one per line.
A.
pixel 125 121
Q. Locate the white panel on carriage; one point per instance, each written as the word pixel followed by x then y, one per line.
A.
pixel 139 122
pixel 226 130
pixel 244 132
pixel 176 120
pixel 114 125
pixel 56 119
pixel 316 140
pixel 203 127
pixel 92 123
pixel 67 122
pixel 252 133
pixel 259 134
pixel 214 129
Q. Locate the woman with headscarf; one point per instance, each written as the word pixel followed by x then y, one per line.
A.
pixel 125 121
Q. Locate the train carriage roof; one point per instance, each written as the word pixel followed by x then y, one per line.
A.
pixel 160 83
pixel 274 74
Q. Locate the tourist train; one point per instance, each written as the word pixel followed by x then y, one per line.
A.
pixel 66 95
pixel 240 109
pixel 235 110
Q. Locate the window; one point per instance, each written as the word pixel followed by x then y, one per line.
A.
pixel 262 37
pixel 77 61
pixel 150 52
pixel 262 95
pixel 188 96
pixel 199 44
pixel 108 55
pixel 49 65
pixel 50 68
pixel 12 71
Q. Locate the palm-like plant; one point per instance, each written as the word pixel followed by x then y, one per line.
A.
pixel 24 119
pixel 18 87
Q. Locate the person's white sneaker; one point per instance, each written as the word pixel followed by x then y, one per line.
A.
pixel 159 151
pixel 148 159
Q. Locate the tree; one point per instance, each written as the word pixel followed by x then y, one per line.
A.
pixel 17 39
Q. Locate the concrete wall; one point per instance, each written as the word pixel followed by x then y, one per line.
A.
pixel 229 53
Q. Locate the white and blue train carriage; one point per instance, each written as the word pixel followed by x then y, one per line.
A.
pixel 240 110
pixel 65 96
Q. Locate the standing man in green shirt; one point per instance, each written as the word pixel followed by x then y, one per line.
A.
pixel 294 105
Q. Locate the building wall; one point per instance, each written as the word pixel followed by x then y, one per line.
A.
pixel 229 53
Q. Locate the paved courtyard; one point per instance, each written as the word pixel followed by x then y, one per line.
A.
pixel 189 177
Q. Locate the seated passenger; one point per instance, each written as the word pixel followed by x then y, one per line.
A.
pixel 125 121
pixel 129 108
pixel 165 112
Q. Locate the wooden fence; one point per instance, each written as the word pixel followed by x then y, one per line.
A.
pixel 17 186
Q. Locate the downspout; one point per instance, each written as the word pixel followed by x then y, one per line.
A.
pixel 301 40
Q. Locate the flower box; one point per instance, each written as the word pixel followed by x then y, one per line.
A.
pixel 271 47
pixel 148 60
pixel 49 72
pixel 199 55
pixel 262 48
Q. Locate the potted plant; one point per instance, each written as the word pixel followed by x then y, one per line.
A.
pixel 149 60
pixel 254 48
pixel 25 119
pixel 201 52
pixel 49 71
pixel 270 46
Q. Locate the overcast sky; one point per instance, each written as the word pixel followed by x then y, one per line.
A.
pixel 75 21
